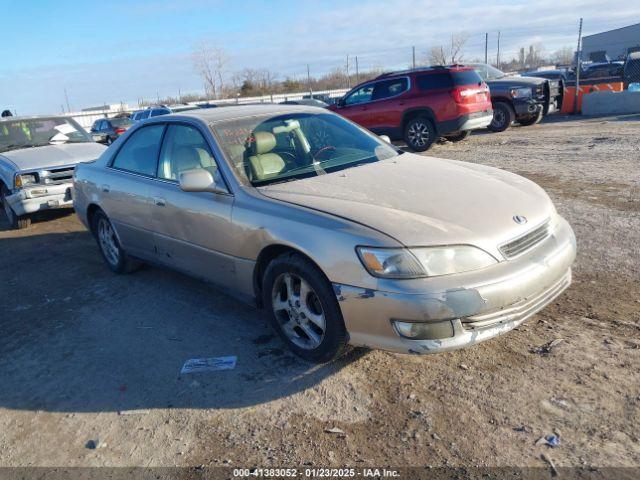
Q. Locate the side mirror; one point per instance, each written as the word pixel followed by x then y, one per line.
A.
pixel 200 180
pixel 340 102
pixel 385 138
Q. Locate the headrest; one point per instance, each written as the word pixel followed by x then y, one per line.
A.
pixel 188 159
pixel 264 142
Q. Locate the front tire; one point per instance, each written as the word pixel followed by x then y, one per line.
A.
pixel 112 253
pixel 531 119
pixel 17 222
pixel 419 134
pixel 303 308
pixel 503 117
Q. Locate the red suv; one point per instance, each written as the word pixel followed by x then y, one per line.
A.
pixel 420 105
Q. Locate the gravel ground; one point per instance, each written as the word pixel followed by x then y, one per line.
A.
pixel 87 355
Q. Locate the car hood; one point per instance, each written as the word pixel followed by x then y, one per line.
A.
pixel 421 200
pixel 516 81
pixel 53 155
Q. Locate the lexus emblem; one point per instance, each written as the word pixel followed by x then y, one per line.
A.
pixel 519 219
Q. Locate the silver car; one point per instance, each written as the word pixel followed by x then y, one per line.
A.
pixel 341 237
pixel 37 158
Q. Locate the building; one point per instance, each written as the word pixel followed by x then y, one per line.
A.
pixel 114 107
pixel 614 44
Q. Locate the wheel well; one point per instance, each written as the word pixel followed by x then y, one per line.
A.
pixel 91 211
pixel 264 258
pixel 419 112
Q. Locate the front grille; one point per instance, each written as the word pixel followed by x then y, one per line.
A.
pixel 56 176
pixel 525 242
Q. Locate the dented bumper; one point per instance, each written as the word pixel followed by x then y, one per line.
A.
pixel 33 199
pixel 481 305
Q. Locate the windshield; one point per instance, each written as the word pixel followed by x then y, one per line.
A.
pixel 37 132
pixel 270 149
pixel 487 72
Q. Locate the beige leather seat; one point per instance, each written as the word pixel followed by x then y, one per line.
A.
pixel 186 158
pixel 264 164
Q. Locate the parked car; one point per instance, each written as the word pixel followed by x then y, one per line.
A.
pixel 37 158
pixel 420 105
pixel 631 71
pixel 521 99
pixel 342 237
pixel 107 130
pixel 150 112
pixel 605 71
pixel 311 102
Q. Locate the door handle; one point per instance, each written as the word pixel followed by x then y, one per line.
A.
pixel 160 202
pixel 105 188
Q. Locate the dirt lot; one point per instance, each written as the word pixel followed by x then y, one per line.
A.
pixel 87 355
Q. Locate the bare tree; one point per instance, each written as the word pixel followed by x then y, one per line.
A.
pixel 210 61
pixel 450 55
pixel 563 56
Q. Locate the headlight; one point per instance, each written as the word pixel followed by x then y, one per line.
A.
pixel 390 262
pixel 26 179
pixel 423 261
pixel 520 92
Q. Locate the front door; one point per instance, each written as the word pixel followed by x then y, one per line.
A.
pixel 357 104
pixel 125 188
pixel 192 229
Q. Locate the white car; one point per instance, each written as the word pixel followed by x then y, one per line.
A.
pixel 37 158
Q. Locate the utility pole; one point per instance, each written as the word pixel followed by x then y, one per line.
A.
pixel 357 72
pixel 498 54
pixel 578 64
pixel 413 54
pixel 66 98
pixel 348 76
pixel 486 46
pixel 309 80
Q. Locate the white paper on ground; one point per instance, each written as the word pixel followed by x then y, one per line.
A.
pixel 195 365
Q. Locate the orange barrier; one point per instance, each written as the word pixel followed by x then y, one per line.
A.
pixel 569 94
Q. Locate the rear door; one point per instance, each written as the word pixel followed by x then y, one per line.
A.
pixel 357 104
pixel 125 190
pixel 386 105
pixel 192 229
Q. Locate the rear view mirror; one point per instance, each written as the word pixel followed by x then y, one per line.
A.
pixel 340 102
pixel 200 180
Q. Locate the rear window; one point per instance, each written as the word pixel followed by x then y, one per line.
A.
pixel 433 81
pixel 119 122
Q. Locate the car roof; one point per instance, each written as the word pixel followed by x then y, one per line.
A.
pixel 31 117
pixel 231 112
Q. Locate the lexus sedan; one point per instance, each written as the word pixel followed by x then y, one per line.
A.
pixel 341 237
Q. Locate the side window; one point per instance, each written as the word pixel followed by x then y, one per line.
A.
pixel 159 111
pixel 144 114
pixel 361 95
pixel 433 81
pixel 184 148
pixel 389 88
pixel 140 153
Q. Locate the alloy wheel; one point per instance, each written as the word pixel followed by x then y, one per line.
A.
pixel 298 310
pixel 108 243
pixel 419 134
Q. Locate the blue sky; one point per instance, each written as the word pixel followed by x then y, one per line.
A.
pixel 125 50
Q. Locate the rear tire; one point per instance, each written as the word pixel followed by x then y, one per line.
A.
pixel 303 308
pixel 458 137
pixel 16 222
pixel 419 134
pixel 109 140
pixel 503 117
pixel 531 119
pixel 112 253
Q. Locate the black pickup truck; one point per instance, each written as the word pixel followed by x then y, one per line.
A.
pixel 521 99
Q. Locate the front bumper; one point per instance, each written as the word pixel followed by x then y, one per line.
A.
pixel 36 198
pixel 487 303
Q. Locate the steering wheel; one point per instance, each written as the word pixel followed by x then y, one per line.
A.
pixel 323 149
